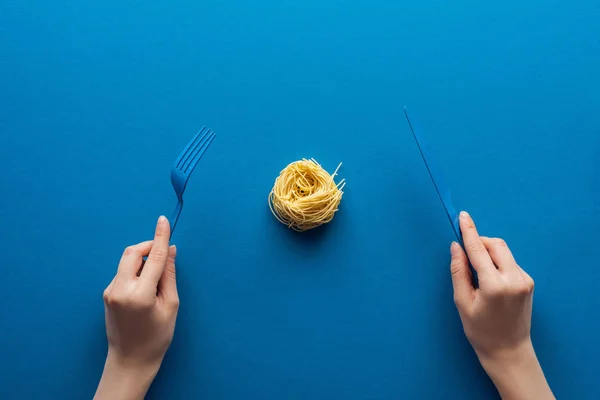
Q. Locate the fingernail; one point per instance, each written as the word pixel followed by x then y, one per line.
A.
pixel 162 220
pixel 172 251
pixel 453 248
pixel 464 215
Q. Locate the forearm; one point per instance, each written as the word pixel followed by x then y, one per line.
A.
pixel 120 382
pixel 518 375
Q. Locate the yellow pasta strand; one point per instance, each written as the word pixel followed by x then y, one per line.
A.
pixel 305 195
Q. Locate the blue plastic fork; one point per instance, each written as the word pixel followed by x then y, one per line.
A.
pixel 184 166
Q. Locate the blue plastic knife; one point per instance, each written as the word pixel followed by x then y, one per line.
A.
pixel 438 180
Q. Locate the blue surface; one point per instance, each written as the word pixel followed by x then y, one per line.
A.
pixel 98 98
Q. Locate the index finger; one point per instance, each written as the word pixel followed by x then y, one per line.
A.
pixel 157 259
pixel 501 256
pixel 132 258
pixel 478 254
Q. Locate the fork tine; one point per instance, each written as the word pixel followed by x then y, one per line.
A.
pixel 198 153
pixel 185 154
pixel 194 150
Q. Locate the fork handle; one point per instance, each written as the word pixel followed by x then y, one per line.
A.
pixel 176 214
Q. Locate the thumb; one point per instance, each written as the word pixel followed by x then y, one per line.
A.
pixel 167 286
pixel 461 276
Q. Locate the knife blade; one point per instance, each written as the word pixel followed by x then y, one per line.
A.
pixel 439 182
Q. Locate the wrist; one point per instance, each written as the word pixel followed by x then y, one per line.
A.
pixel 516 373
pixel 123 380
pixel 132 366
pixel 508 358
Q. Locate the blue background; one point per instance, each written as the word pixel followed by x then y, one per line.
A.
pixel 98 98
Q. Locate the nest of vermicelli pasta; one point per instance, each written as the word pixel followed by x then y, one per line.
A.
pixel 305 196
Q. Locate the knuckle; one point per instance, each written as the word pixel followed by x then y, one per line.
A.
pixel 174 303
pixel 170 273
pixel 522 289
pixel 498 242
pixel 519 287
pixel 114 300
pixel 160 233
pixel 157 255
pixel 528 280
pixel 455 267
pixel 458 301
pixel 106 296
pixel 130 251
pixel 527 286
pixel 476 246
